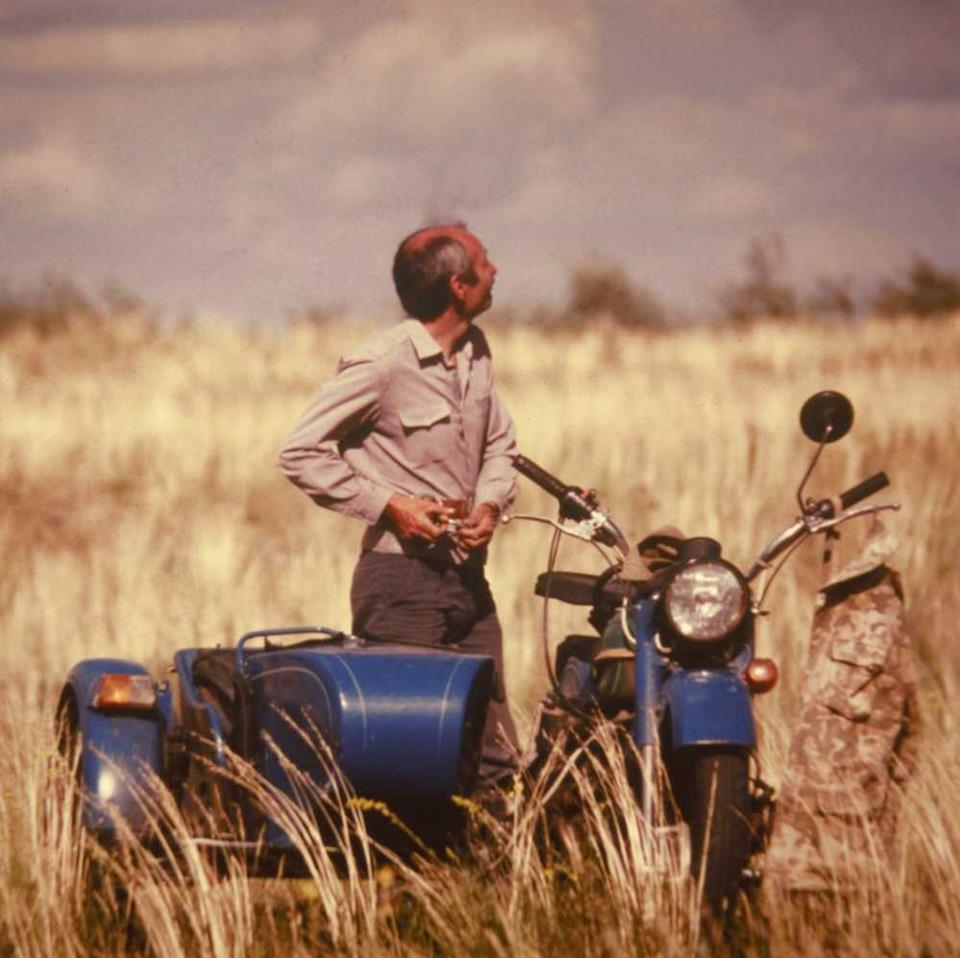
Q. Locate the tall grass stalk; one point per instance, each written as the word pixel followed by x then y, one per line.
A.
pixel 141 512
pixel 44 855
pixel 327 829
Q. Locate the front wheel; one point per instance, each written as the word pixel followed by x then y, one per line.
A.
pixel 711 786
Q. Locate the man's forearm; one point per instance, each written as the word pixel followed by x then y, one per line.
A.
pixel 497 481
pixel 311 458
pixel 322 474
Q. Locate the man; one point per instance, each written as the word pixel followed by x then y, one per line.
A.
pixel 410 437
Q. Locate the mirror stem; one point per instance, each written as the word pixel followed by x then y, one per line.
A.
pixel 810 468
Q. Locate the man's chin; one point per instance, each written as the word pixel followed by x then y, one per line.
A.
pixel 482 308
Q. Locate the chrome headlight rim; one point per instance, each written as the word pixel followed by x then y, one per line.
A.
pixel 737 602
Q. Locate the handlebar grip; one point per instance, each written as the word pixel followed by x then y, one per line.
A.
pixel 541 477
pixel 863 489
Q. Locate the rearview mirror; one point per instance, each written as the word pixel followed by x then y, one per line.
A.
pixel 826 416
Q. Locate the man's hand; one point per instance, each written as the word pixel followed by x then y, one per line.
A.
pixel 478 528
pixel 416 518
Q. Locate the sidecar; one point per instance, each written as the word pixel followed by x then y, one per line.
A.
pixel 402 724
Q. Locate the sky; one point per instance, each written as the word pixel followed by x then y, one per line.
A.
pixel 250 158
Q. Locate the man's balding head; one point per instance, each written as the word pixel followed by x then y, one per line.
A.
pixel 424 264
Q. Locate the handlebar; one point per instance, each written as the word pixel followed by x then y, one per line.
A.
pixel 861 490
pixel 573 504
pixel 540 476
pixel 820 516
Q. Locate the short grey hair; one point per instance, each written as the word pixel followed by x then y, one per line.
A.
pixel 422 273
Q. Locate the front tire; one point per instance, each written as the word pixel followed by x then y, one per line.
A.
pixel 711 786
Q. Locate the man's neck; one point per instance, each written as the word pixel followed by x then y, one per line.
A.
pixel 449 330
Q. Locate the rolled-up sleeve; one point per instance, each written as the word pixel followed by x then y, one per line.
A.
pixel 311 458
pixel 497 481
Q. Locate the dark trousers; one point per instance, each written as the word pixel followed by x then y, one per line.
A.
pixel 414 600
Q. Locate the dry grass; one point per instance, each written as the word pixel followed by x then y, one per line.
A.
pixel 140 511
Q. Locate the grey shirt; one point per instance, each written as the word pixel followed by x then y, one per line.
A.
pixel 397 417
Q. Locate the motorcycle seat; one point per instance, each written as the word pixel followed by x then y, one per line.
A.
pixel 579 588
pixel 575 588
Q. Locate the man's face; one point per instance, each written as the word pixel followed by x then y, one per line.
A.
pixel 478 288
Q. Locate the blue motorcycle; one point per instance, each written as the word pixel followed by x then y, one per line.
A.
pixel 308 708
pixel 672 662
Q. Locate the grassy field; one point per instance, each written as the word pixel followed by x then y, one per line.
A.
pixel 141 511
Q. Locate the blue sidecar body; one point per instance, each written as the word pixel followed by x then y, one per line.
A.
pixel 401 723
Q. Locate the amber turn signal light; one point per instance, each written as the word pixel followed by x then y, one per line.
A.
pixel 761 675
pixel 117 691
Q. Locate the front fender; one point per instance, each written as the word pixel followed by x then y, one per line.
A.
pixel 116 747
pixel 709 707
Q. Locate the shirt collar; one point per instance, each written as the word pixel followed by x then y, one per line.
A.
pixel 426 347
pixel 424 344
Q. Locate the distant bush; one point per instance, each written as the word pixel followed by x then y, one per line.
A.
pixel 57 305
pixel 602 288
pixel 314 315
pixel 928 291
pixel 832 298
pixel 47 309
pixel 763 294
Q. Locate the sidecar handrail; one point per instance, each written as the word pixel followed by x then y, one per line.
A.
pixel 241 657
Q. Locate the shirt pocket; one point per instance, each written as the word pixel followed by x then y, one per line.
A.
pixel 859 643
pixel 426 434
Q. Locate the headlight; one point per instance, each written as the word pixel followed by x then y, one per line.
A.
pixel 706 601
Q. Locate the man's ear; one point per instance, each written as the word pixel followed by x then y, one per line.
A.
pixel 458 289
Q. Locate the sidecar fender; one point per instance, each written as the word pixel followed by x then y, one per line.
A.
pixel 709 707
pixel 118 749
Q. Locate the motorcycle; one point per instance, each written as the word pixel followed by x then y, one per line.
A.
pixel 672 663
pixel 310 707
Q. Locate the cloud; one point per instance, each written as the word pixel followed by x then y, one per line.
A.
pixel 423 111
pixel 362 180
pixel 436 73
pixel 898 47
pixel 160 49
pixel 928 124
pixel 239 158
pixel 54 175
pixel 729 196
pixel 662 157
pixel 834 246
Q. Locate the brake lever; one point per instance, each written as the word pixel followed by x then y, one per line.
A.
pixel 586 531
pixel 825 524
pixel 581 530
pixel 807 525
